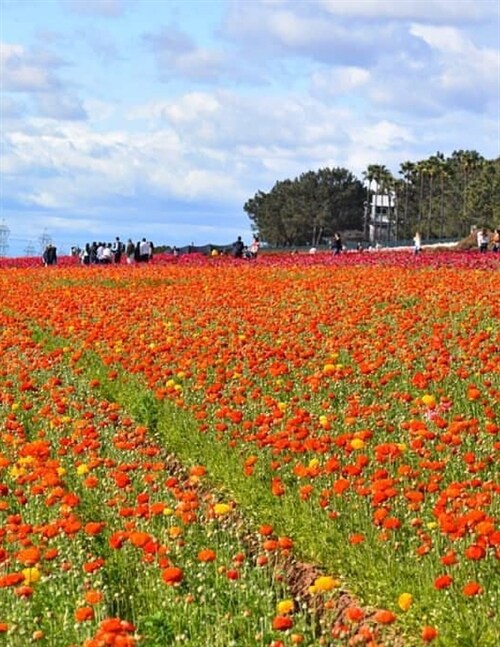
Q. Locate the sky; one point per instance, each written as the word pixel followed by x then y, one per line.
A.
pixel 161 118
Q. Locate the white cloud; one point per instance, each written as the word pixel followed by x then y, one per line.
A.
pixel 340 80
pixel 20 71
pixel 104 8
pixel 463 67
pixel 432 10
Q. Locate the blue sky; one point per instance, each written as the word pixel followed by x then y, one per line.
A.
pixel 160 118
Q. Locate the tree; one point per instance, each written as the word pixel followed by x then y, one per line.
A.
pixel 467 163
pixel 408 170
pixel 308 209
pixel 484 195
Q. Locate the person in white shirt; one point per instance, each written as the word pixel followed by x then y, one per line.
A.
pixel 417 243
pixel 144 250
pixel 107 255
pixel 482 240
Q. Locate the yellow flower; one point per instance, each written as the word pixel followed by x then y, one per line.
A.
pixel 324 583
pixel 357 443
pixel 82 469
pixel 31 575
pixel 284 607
pixel 429 400
pixel 16 471
pixel 405 601
pixel 221 509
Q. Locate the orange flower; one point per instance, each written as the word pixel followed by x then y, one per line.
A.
pixel 93 596
pixel 29 556
pixel 384 617
pixel 206 555
pixel 472 588
pixel 82 614
pixel 94 527
pixel 138 538
pixel 172 575
pixel 354 614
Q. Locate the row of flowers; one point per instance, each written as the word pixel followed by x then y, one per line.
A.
pixel 369 390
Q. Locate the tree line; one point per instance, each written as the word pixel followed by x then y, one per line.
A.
pixel 442 197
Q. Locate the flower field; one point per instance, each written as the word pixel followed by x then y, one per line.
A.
pixel 293 450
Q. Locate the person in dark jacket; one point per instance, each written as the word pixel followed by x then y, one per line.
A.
pixel 238 248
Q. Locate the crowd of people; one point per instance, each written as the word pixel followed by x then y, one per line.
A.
pixel 483 240
pixel 99 253
pixel 240 250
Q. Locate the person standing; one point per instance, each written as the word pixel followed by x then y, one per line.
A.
pixel 496 241
pixel 117 250
pixel 238 247
pixel 417 243
pixel 144 250
pixel 85 255
pixel 49 255
pixel 130 251
pixel 482 240
pixel 254 247
pixel 337 243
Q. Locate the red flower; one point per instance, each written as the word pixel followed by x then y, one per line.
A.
pixel 282 623
pixel 443 582
pixel 475 552
pixel 428 633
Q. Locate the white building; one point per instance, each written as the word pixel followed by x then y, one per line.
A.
pixel 382 214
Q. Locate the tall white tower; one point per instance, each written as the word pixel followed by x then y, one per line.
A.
pixel 4 239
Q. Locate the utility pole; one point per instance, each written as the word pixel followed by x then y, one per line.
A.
pixel 44 240
pixel 4 238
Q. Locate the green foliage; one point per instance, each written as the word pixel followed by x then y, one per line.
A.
pixel 442 197
pixel 308 209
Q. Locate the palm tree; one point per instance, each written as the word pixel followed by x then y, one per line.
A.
pixel 433 166
pixel 468 162
pixel 369 177
pixel 407 170
pixel 379 174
